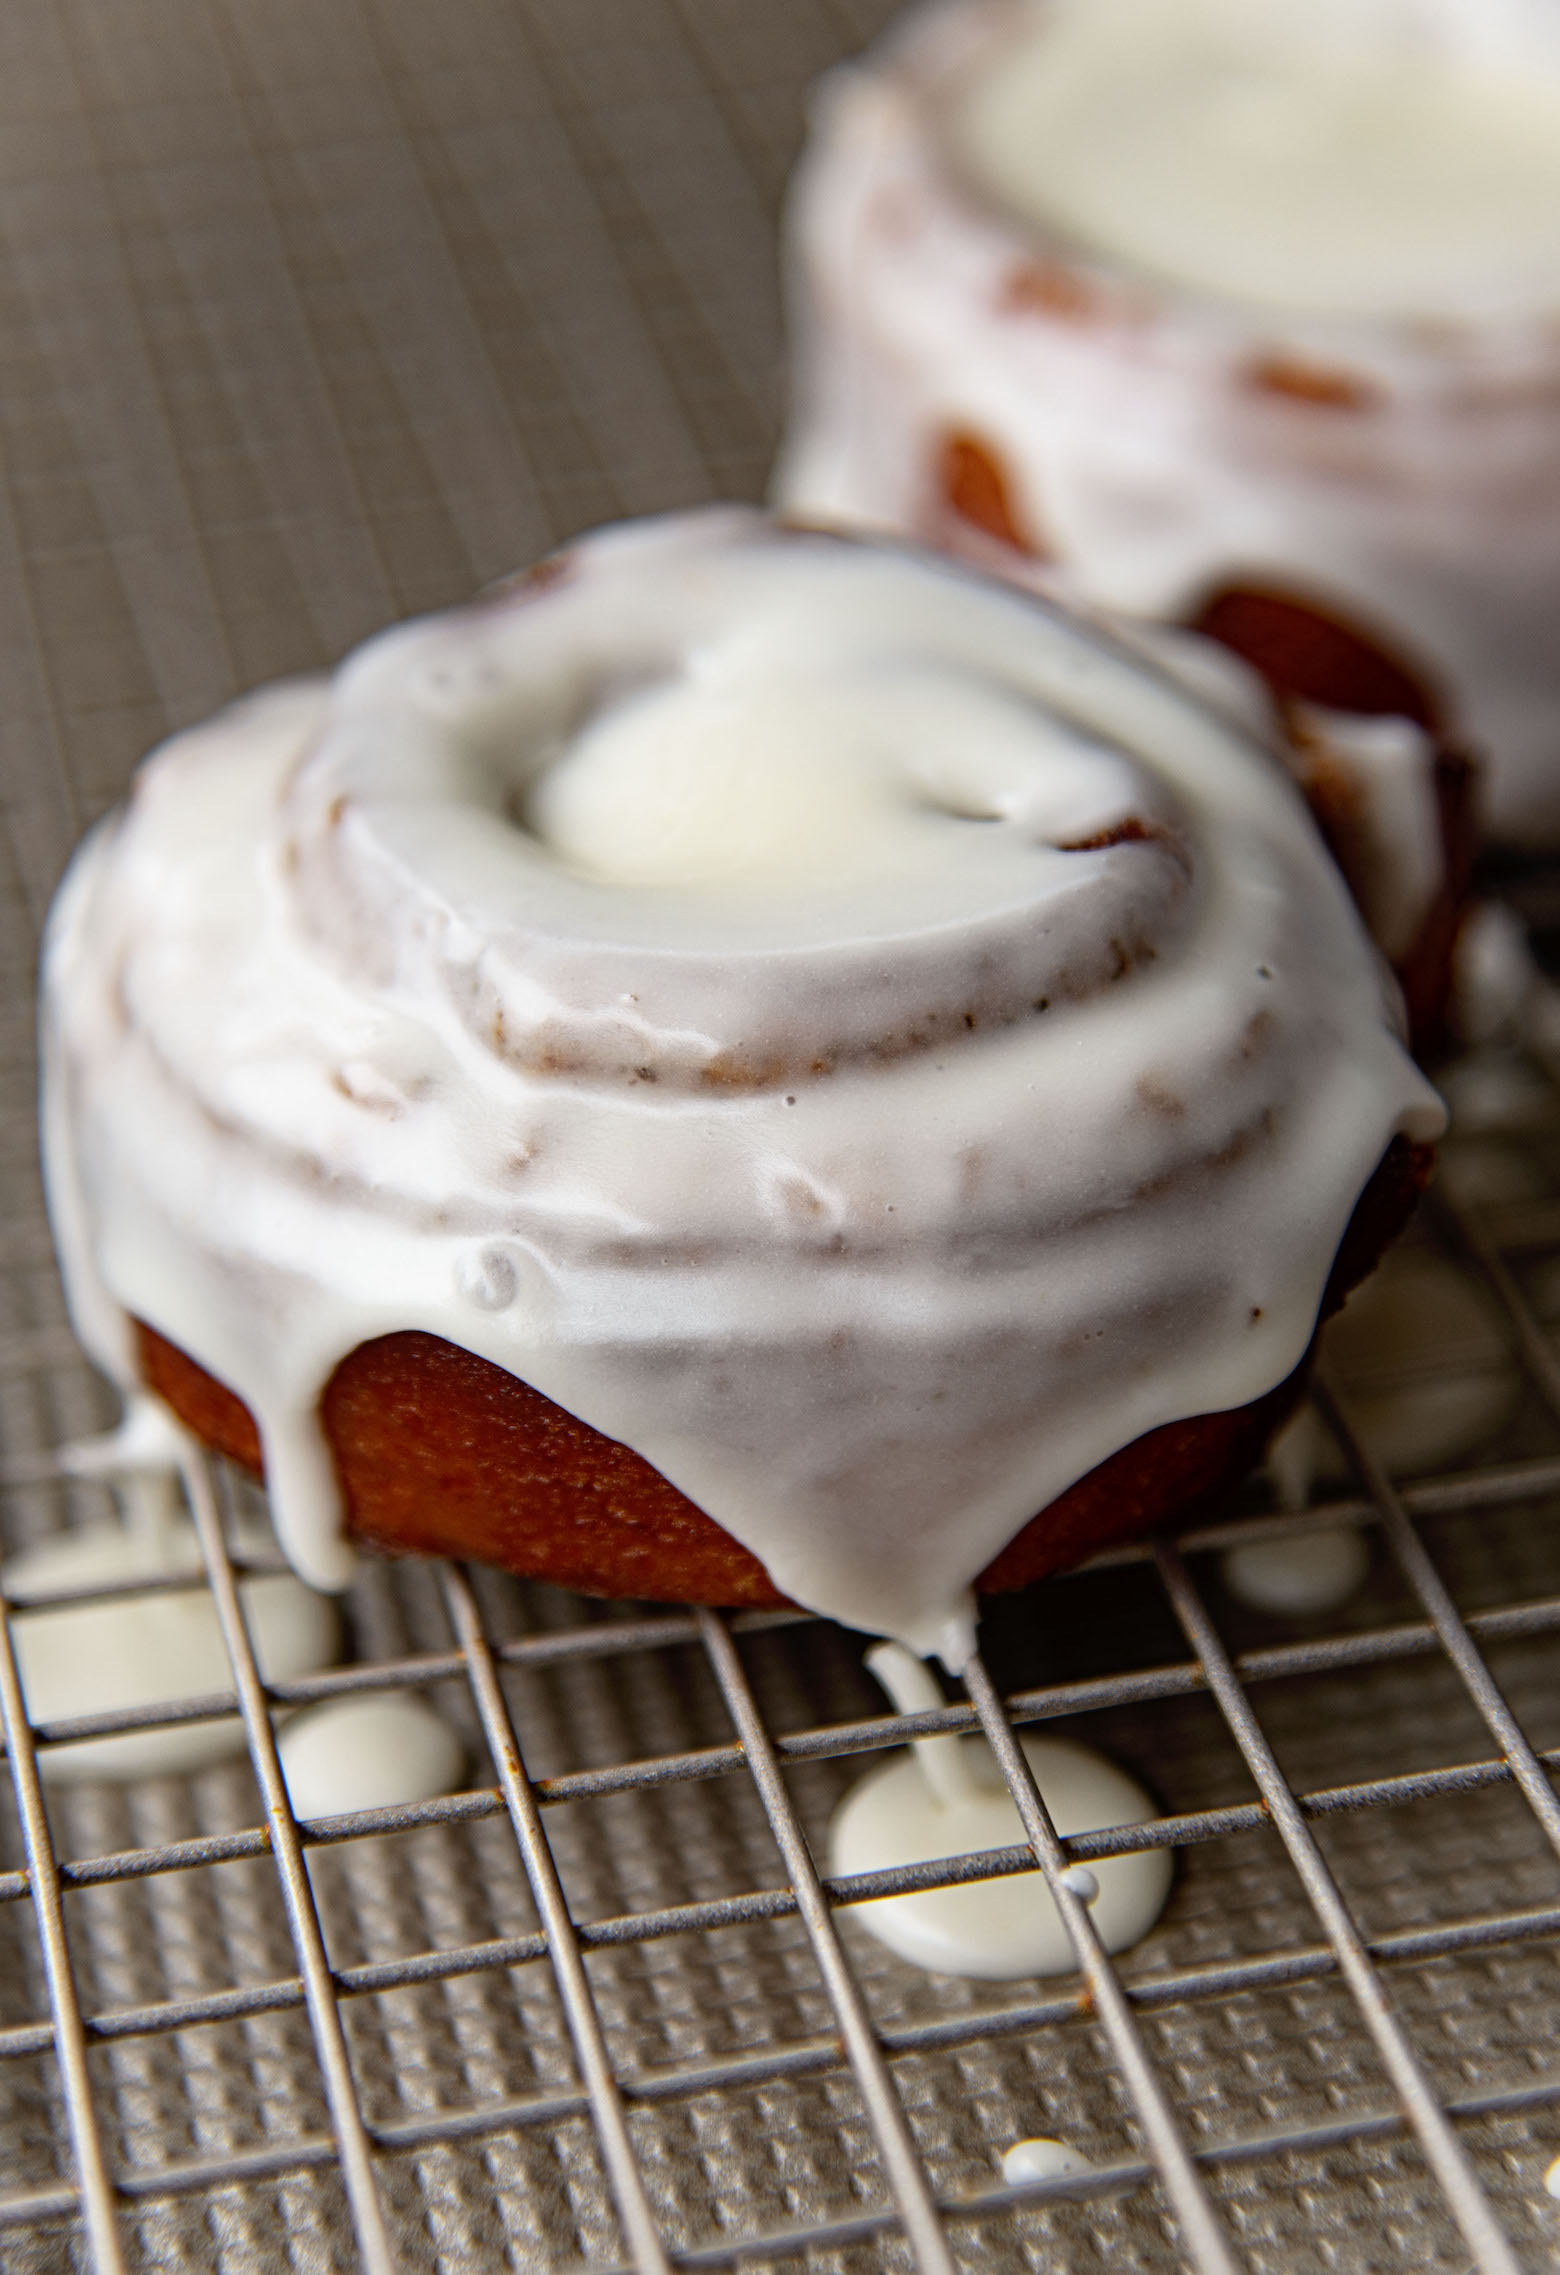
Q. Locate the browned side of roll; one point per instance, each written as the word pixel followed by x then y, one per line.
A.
pixel 1308 654
pixel 442 1452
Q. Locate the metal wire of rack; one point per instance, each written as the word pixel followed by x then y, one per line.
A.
pixel 901 2201
pixel 318 312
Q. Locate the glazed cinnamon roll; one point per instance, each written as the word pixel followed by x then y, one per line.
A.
pixel 745 1066
pixel 1178 299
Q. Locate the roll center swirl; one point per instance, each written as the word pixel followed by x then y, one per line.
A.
pixel 769 821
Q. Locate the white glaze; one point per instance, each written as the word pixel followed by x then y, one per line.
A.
pixel 1365 158
pixel 1552 2178
pixel 1396 862
pixel 380 1750
pixel 1041 2160
pixel 1422 1365
pixel 147 1650
pixel 1148 457
pixel 693 783
pixel 727 1169
pixel 1298 1575
pixel 997 1930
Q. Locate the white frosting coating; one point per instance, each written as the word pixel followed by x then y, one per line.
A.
pixel 874 1189
pixel 1352 157
pixel 147 1650
pixel 380 1750
pixel 1157 442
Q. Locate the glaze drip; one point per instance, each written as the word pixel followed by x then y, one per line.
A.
pixel 1355 158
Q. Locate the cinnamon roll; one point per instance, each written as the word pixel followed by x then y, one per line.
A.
pixel 1177 299
pixel 742 1066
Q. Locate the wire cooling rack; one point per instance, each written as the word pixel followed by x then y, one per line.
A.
pixel 318 312
pixel 600 2008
